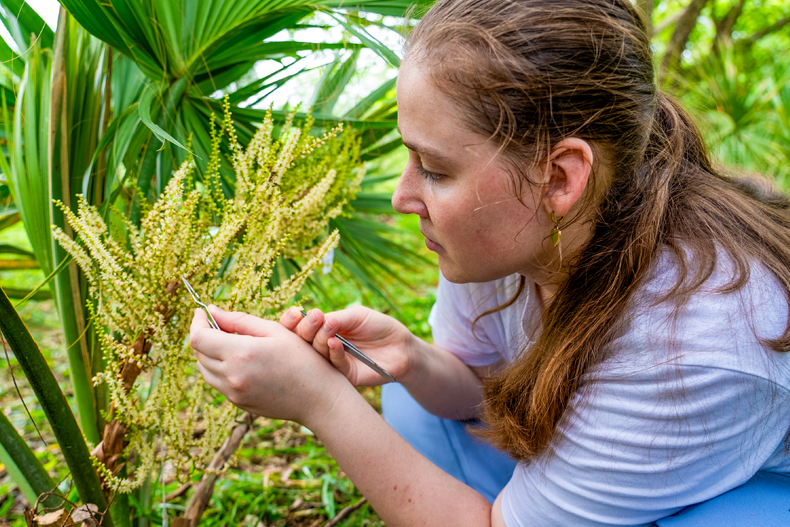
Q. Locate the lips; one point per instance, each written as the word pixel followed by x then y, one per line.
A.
pixel 431 245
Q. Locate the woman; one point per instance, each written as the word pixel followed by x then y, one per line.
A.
pixel 625 305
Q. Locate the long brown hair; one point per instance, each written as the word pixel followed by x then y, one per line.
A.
pixel 529 73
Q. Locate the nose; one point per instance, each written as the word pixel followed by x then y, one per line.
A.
pixel 408 196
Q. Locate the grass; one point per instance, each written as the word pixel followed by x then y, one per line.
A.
pixel 281 475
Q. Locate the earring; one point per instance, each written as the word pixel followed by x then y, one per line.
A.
pixel 556 233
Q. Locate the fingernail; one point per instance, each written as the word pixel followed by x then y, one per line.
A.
pixel 212 306
pixel 312 316
pixel 327 326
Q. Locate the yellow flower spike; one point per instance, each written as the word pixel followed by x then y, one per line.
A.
pixel 197 233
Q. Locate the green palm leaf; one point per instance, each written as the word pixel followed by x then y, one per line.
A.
pixel 22 21
pixel 26 470
pixel 336 77
pixel 28 165
pixel 383 92
pixel 8 218
pixel 739 110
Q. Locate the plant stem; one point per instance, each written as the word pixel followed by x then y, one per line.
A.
pixel 55 406
pixel 119 508
pixel 205 488
pixel 67 288
pixel 144 497
pixel 680 37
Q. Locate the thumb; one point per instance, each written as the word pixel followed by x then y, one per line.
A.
pixel 243 323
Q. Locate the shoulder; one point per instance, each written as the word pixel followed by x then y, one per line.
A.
pixel 715 327
pixel 688 404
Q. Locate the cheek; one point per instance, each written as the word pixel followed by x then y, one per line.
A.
pixel 454 215
pixel 487 219
pixel 506 229
pixel 477 235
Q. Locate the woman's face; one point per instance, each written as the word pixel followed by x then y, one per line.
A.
pixel 459 186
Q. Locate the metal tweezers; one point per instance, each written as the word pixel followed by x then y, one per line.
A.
pixel 196 298
pixel 350 348
pixel 364 359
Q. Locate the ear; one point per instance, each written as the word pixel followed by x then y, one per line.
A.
pixel 570 164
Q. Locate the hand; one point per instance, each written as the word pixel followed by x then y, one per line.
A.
pixel 265 369
pixel 380 337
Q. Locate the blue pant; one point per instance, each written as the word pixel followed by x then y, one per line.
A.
pixel 763 501
pixel 447 443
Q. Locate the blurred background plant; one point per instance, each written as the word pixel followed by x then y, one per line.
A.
pixel 727 61
pixel 103 106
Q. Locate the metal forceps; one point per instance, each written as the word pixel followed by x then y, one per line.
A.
pixel 196 298
pixel 364 359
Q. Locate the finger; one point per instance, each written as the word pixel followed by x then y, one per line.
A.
pixel 327 330
pixel 199 321
pixel 338 357
pixel 350 319
pixel 345 322
pixel 198 330
pixel 310 325
pixel 211 379
pixel 291 318
pixel 209 341
pixel 243 323
pixel 210 363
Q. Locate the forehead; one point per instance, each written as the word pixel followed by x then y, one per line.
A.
pixel 427 117
pixel 416 90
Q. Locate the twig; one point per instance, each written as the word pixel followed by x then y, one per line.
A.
pixel 30 518
pixel 107 510
pixel 205 488
pixel 345 513
pixel 179 491
pixel 767 31
pixel 56 494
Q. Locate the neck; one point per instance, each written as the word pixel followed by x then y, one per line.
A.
pixel 549 274
pixel 545 295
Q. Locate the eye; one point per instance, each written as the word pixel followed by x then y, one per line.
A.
pixel 430 176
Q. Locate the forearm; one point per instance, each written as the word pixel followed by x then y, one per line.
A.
pixel 402 485
pixel 442 383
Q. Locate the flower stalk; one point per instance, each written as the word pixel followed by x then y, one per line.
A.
pixel 289 186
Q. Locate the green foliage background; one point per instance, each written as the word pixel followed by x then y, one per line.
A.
pixel 730 67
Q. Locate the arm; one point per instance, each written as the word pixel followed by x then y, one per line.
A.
pixel 270 371
pixel 443 384
pixel 403 486
pixel 436 378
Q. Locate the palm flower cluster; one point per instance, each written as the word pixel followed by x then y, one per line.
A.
pixel 250 253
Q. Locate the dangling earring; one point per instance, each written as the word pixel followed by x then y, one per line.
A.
pixel 556 234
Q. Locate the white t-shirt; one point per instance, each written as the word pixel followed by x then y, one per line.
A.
pixel 687 404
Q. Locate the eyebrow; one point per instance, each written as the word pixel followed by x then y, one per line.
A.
pixel 426 150
pixel 423 149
